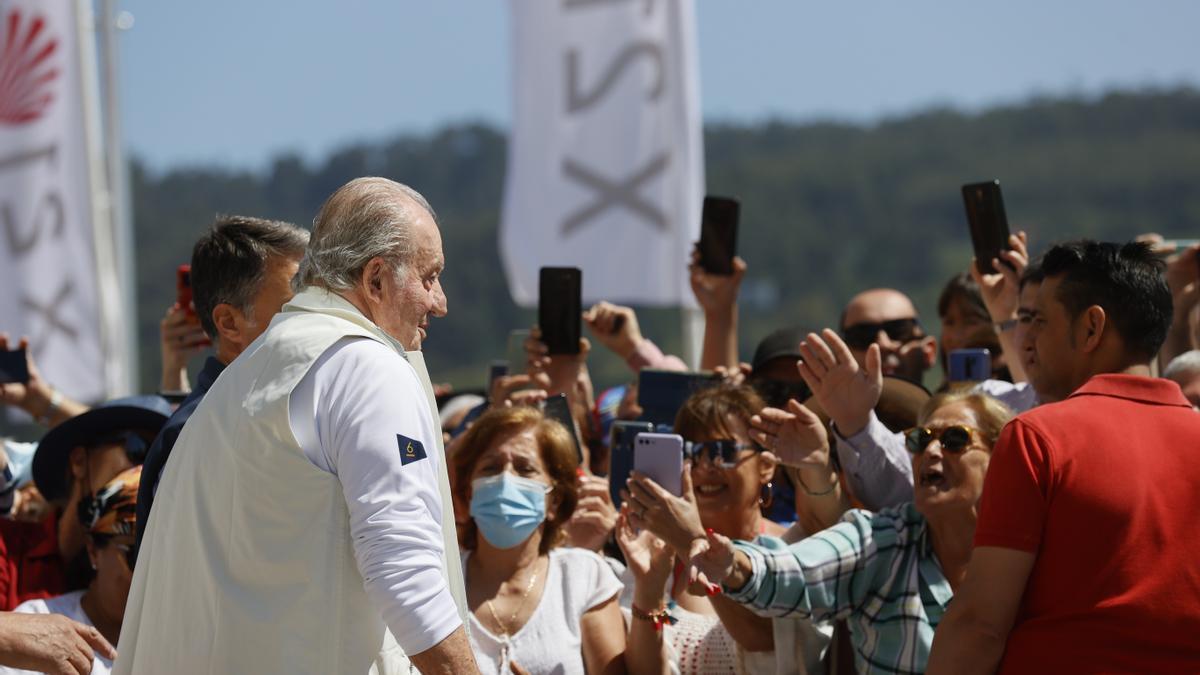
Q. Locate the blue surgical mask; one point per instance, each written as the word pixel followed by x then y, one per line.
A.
pixel 507 508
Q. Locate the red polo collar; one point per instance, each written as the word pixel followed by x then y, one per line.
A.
pixel 1152 390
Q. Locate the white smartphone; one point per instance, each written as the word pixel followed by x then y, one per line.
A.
pixel 660 456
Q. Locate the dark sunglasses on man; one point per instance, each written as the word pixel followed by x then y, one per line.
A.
pixel 723 454
pixel 954 439
pixel 862 335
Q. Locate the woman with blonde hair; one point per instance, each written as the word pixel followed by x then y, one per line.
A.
pixel 889 574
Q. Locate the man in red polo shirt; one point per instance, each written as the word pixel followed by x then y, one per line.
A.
pixel 1085 557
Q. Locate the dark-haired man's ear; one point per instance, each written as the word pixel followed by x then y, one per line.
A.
pixel 229 322
pixel 1093 324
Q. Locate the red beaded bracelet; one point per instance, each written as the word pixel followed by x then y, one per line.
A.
pixel 659 617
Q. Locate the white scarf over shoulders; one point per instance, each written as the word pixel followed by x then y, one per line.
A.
pixel 258 559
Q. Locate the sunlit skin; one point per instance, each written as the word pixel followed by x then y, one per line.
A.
pixel 1050 341
pixel 104 601
pixel 962 327
pixel 910 359
pixel 91 469
pixel 237 329
pixel 728 499
pixel 947 481
pixel 416 293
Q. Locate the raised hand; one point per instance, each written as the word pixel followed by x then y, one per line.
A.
pixel 673 519
pixel 1001 289
pixel 715 293
pixel 711 560
pixel 847 392
pixel 796 435
pixel 595 516
pixel 615 327
pixel 181 338
pixel 648 558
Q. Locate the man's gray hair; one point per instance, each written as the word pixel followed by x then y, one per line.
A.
pixel 364 219
pixel 1184 366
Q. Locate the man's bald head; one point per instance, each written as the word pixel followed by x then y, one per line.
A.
pixel 888 318
pixel 876 306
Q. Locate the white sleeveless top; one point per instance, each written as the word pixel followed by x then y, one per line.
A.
pixel 551 641
pixel 247 565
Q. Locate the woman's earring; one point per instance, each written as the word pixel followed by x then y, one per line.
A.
pixel 766 496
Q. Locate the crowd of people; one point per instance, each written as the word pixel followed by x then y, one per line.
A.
pixel 310 503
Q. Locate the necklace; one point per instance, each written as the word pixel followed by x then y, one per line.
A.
pixel 512 619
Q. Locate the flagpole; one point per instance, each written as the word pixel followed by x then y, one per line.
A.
pixel 125 378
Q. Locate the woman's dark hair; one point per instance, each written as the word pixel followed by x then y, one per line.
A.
pixel 705 412
pixel 962 287
pixel 1126 280
pixel 558 455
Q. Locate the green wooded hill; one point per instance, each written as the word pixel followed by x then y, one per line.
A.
pixel 827 208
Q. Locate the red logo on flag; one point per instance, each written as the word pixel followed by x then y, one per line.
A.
pixel 27 69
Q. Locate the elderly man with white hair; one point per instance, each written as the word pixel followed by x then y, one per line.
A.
pixel 1184 370
pixel 308 527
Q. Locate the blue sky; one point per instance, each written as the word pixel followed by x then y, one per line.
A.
pixel 234 83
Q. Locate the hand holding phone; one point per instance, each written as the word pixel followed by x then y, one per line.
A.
pixel 14 366
pixel 718 234
pixel 660 457
pixel 620 455
pixel 560 308
pixel 988 222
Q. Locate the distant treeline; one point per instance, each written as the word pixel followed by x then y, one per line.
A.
pixel 827 208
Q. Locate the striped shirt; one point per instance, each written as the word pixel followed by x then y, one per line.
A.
pixel 877 571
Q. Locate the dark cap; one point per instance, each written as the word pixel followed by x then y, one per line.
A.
pixel 781 343
pixel 144 415
pixel 899 404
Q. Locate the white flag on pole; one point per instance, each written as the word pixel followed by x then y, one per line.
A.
pixel 606 159
pixel 54 235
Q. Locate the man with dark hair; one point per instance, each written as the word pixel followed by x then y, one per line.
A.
pixel 242 271
pixel 1084 556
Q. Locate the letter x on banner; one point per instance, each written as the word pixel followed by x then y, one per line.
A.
pixel 606 157
pixel 50 289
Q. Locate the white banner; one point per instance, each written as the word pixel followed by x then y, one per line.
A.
pixel 605 158
pixel 50 289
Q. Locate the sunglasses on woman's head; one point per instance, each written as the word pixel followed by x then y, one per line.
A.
pixel 722 453
pixel 955 438
pixel 862 335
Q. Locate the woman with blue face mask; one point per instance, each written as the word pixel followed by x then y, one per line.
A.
pixel 535 607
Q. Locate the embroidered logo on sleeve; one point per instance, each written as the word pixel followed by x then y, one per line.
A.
pixel 410 450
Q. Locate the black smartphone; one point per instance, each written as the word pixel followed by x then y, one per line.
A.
pixel 718 234
pixel 560 308
pixel 620 458
pixel 661 393
pixel 496 370
pixel 988 222
pixel 14 367
pixel 556 408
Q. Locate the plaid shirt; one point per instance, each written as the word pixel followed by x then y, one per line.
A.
pixel 875 570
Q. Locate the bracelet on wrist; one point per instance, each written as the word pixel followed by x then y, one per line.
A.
pixel 810 493
pixel 659 617
pixel 52 407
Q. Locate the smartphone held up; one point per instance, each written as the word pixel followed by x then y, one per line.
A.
pixel 560 308
pixel 988 222
pixel 718 234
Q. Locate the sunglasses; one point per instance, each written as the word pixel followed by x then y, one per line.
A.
pixel 862 335
pixel 777 392
pixel 954 439
pixel 722 454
